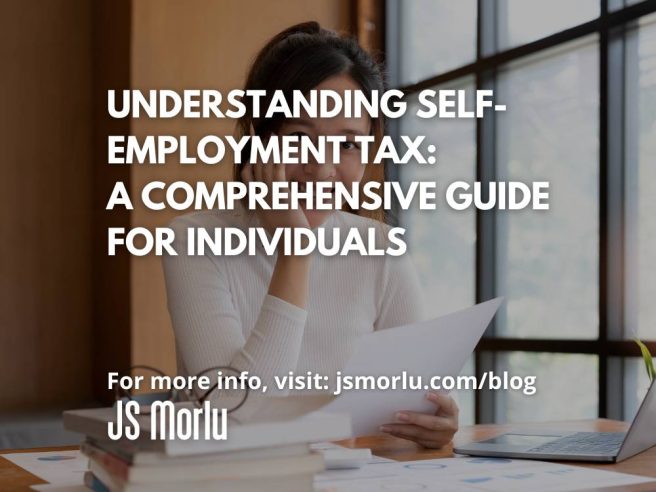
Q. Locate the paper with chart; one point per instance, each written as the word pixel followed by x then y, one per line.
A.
pixel 438 347
pixel 55 467
pixel 471 474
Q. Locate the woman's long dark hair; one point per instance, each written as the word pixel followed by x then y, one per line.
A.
pixel 300 58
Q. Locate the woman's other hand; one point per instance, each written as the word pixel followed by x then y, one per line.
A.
pixel 429 430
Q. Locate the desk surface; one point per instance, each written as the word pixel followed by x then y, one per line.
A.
pixel 15 479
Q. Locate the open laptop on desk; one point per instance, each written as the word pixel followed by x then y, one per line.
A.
pixel 608 447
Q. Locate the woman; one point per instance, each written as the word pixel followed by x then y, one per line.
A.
pixel 270 315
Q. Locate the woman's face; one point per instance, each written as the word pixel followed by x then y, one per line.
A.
pixel 350 169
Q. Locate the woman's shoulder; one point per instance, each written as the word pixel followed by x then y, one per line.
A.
pixel 348 219
pixel 365 225
pixel 212 218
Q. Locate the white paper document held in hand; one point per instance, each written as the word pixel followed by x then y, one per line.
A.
pixel 437 347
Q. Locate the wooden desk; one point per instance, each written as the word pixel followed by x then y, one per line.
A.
pixel 15 479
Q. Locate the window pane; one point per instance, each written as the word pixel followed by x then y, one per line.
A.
pixel 523 21
pixel 556 397
pixel 633 2
pixel 620 4
pixel 436 36
pixel 636 384
pixel 548 260
pixel 442 242
pixel 640 180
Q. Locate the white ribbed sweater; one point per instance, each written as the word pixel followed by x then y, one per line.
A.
pixel 222 314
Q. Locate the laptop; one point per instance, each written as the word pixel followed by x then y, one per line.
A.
pixel 603 447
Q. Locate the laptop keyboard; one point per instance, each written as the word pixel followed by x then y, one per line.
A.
pixel 588 443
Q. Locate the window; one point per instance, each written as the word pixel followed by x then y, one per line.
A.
pixel 547 261
pixel 641 178
pixel 443 37
pixel 553 378
pixel 579 81
pixel 444 245
pixel 523 21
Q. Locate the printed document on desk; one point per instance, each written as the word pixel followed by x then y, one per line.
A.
pixel 472 475
pixel 56 467
pixel 438 347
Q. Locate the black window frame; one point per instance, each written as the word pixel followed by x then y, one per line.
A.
pixel 614 20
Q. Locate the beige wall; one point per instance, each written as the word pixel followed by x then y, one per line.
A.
pixel 180 44
pixel 45 251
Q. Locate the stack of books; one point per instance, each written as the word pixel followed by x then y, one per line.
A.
pixel 271 456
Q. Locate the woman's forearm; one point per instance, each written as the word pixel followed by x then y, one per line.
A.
pixel 290 279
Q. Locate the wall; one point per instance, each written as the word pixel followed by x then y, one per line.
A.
pixel 45 252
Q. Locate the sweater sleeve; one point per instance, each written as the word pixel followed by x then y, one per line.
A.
pixel 401 301
pixel 207 326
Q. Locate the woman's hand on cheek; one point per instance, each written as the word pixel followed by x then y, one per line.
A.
pixel 273 219
pixel 429 430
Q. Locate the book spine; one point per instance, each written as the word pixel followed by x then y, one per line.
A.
pixel 114 465
pixel 122 450
pixel 92 449
pixel 91 481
